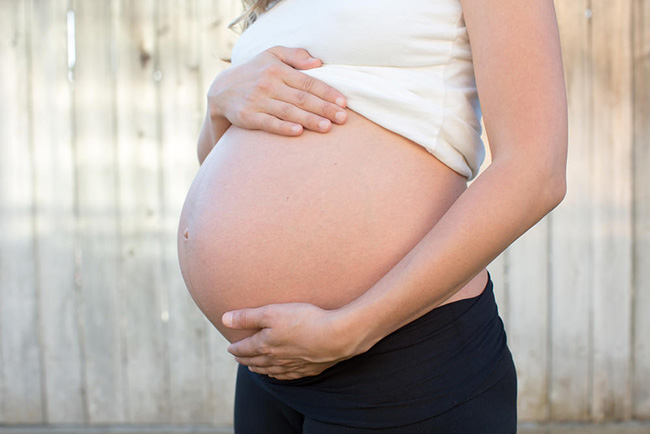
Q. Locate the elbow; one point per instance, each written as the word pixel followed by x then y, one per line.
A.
pixel 553 182
pixel 556 190
pixel 558 183
pixel 539 175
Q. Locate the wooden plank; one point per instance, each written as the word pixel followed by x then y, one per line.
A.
pixel 140 282
pixel 95 160
pixel 570 244
pixel 641 360
pixel 612 180
pixel 55 229
pixel 609 428
pixel 528 318
pixel 215 42
pixel 181 114
pixel 20 353
pixel 218 39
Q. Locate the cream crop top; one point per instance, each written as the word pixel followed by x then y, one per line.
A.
pixel 405 65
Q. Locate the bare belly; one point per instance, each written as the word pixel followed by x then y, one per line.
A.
pixel 317 218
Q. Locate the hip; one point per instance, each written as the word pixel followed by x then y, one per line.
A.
pixel 426 368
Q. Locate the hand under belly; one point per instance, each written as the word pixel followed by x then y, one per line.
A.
pixel 317 218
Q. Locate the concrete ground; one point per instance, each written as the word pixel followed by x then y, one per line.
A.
pixel 625 428
pixel 620 428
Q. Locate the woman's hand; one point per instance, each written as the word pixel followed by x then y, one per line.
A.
pixel 268 93
pixel 295 339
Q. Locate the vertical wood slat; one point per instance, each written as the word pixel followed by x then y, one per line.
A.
pixel 527 318
pixel 641 203
pixel 55 231
pixel 95 163
pixel 571 271
pixel 20 350
pixel 178 39
pixel 138 160
pixel 612 180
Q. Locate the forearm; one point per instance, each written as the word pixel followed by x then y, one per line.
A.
pixel 504 202
pixel 213 128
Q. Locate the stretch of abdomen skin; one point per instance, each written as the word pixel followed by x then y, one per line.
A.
pixel 317 218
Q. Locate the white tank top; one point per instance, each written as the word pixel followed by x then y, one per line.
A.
pixel 405 65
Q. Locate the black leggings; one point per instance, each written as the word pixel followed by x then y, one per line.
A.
pixel 449 372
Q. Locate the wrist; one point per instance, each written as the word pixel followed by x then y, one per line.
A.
pixel 216 111
pixel 353 334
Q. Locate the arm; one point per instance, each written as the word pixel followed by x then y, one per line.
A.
pixel 269 93
pixel 520 81
pixel 213 128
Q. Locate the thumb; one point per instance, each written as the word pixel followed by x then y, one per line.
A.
pixel 245 319
pixel 298 58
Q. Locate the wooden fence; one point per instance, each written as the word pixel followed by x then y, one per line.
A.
pixel 100 106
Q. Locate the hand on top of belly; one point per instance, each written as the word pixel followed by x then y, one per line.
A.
pixel 269 93
pixel 296 340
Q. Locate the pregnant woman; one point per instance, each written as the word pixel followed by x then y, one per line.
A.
pixel 330 234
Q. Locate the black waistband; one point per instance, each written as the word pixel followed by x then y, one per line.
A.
pixel 422 369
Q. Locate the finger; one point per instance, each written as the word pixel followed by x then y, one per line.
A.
pixel 311 105
pixel 288 376
pixel 298 58
pixel 257 361
pixel 266 361
pixel 271 371
pixel 307 83
pixel 291 113
pixel 253 346
pixel 241 319
pixel 272 124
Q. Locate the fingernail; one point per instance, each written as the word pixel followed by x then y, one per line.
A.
pixel 226 319
pixel 324 125
pixel 340 116
pixel 340 102
pixel 296 128
pixel 311 59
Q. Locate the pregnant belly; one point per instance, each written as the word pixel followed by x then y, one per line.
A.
pixel 318 218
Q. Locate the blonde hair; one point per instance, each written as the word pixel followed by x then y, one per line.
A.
pixel 252 9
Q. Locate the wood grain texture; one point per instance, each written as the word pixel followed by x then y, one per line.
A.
pixel 612 208
pixel 103 325
pixel 54 178
pixel 139 203
pixel 641 204
pixel 181 105
pixel 528 319
pixel 21 371
pixel 571 276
